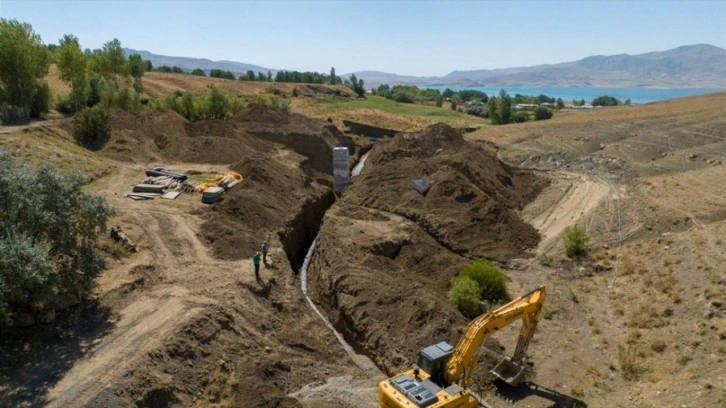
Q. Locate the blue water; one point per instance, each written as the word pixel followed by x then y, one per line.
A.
pixel 636 95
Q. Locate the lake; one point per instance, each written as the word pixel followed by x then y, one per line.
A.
pixel 636 95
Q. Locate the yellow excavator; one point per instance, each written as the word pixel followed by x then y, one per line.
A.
pixel 441 377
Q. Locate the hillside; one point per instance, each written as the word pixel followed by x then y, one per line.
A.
pixel 182 322
pixel 189 64
pixel 690 66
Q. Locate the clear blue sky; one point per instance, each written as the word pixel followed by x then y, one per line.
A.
pixel 404 37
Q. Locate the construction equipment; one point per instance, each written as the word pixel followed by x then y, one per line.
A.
pixel 441 377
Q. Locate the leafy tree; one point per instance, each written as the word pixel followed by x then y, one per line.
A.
pixel 357 85
pixel 467 95
pixel 48 230
pixel 500 109
pixel 110 62
pixel 448 93
pixel 560 103
pixel 72 65
pixel 269 76
pixel 149 65
pixel 23 60
pixel 137 67
pixel 261 77
pixel 542 113
pixel 439 101
pixel 627 102
pixel 454 101
pixel 605 101
pixel 41 100
pixel 576 102
pixel 250 75
pixel 333 77
pixel 218 73
pixel 198 72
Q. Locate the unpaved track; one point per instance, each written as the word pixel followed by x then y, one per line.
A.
pixel 143 326
pixel 145 323
pixel 571 198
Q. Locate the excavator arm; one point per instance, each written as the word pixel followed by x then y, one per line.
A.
pixel 465 357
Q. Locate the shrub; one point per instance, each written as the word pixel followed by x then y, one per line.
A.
pixel 48 249
pixel 542 113
pixel 464 294
pixel 90 127
pixel 41 101
pixel 630 362
pixel 576 242
pixel 490 279
pixel 520 117
pixel 295 92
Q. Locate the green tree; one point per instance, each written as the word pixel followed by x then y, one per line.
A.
pixel 48 230
pixel 560 103
pixel 250 75
pixel 504 108
pixel 333 77
pixel 198 72
pixel 23 60
pixel 439 101
pixel 605 100
pixel 137 67
pixel 454 101
pixel 542 113
pixel 72 66
pixel 110 62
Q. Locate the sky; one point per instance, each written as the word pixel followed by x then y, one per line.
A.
pixel 423 38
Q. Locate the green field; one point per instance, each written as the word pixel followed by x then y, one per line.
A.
pixel 401 115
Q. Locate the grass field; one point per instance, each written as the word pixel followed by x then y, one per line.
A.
pixel 379 111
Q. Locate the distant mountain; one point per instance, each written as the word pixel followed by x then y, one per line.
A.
pixel 189 64
pixel 690 66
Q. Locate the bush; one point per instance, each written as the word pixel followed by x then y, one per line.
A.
pixel 492 282
pixel 542 113
pixel 48 246
pixel 464 294
pixel 41 101
pixel 91 128
pixel 520 117
pixel 576 242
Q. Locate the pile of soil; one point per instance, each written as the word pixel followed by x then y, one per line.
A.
pixel 387 253
pixel 162 135
pixel 471 207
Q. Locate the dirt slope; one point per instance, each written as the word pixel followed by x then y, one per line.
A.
pixel 386 253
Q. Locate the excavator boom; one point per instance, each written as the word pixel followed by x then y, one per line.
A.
pixel 443 371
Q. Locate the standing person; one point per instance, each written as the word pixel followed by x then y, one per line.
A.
pixel 264 253
pixel 256 261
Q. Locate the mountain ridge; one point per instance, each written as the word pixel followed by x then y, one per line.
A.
pixel 686 66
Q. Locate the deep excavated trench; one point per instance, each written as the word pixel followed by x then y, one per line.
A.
pixel 298 240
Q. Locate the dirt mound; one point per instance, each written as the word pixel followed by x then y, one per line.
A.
pixel 263 206
pixel 387 253
pixel 163 135
pixel 471 206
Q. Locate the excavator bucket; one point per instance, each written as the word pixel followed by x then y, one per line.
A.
pixel 509 372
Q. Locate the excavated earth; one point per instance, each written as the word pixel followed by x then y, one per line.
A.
pixel 183 322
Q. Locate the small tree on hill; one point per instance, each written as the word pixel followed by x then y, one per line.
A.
pixel 542 113
pixel 90 127
pixel 575 241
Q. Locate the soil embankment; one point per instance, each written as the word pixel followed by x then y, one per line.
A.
pixel 386 252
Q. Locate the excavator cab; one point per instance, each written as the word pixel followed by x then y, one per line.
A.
pixel 432 360
pixel 509 371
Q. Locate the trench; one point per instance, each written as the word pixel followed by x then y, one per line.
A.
pixel 298 240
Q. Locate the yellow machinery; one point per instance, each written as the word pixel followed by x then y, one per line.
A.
pixel 441 377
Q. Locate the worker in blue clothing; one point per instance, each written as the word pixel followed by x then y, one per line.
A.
pixel 256 261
